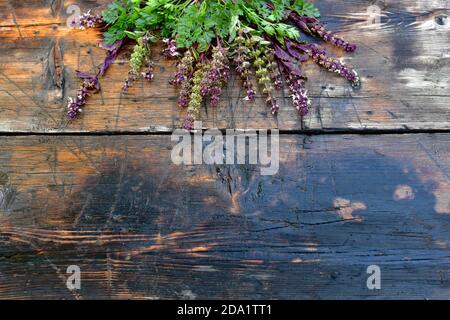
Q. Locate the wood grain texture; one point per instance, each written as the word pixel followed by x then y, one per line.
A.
pixel 403 62
pixel 141 227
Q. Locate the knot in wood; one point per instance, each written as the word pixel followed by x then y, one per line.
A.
pixel 442 20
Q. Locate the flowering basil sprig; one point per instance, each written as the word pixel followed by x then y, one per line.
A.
pixel 260 40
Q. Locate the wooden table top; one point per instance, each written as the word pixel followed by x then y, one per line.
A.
pixel 364 179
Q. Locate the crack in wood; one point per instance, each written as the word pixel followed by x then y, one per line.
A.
pixel 56 7
pixel 55 65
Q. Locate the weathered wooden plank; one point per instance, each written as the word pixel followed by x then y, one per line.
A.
pixel 141 227
pixel 403 62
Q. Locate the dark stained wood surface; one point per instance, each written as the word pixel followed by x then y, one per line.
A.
pixel 403 62
pixel 141 227
pixel 111 201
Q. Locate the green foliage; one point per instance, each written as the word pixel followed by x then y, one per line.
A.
pixel 304 8
pixel 120 16
pixel 194 23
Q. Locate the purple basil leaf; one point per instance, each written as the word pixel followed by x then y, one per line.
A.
pixel 112 46
pixel 281 54
pixel 291 49
pixel 84 75
pixel 110 57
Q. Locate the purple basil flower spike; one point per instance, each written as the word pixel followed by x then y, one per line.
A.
pixel 189 123
pixel 184 69
pixel 91 84
pixel 148 73
pixel 321 57
pixel 183 99
pixel 93 80
pixel 294 76
pixel 216 92
pixel 75 104
pixel 299 94
pixel 170 50
pixel 272 102
pixel 251 95
pixel 128 83
pixel 278 82
pixel 87 20
pixel 315 27
pixel 242 66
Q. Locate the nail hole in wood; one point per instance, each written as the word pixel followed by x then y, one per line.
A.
pixel 442 20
